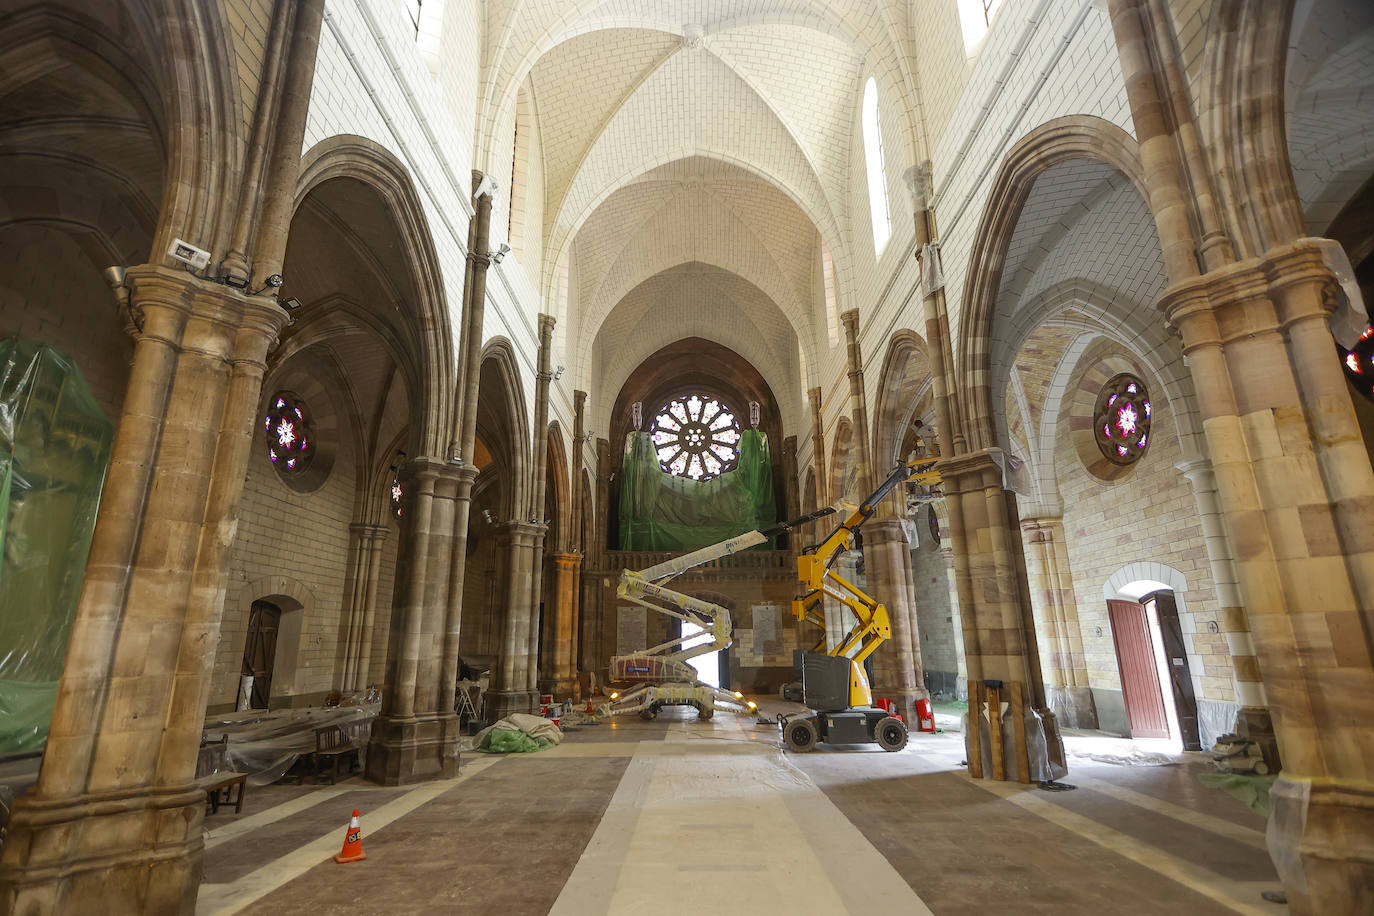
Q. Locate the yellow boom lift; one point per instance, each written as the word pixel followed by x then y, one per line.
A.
pixel 834 683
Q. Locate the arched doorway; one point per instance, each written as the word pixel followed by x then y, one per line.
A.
pixel 1152 659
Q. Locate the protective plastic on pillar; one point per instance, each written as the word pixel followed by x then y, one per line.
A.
pixel 54 449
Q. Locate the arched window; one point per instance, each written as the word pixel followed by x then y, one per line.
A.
pixel 1121 421
pixel 975 18
pixel 877 172
pixel 832 308
pixel 696 436
pixel 290 444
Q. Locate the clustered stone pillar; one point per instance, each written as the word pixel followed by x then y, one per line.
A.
pixel 114 821
pixel 577 539
pixel 1297 491
pixel 567 567
pixel 416 735
pixel 898 672
pixel 538 490
pixel 1252 718
pixel 858 408
pixel 818 448
pixel 1293 476
pixel 1061 641
pixel 989 566
pixel 513 690
pixel 366 543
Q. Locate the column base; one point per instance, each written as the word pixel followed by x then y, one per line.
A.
pixel 501 703
pixel 1321 838
pixel 129 851
pixel 1255 723
pixel 416 749
pixel 564 688
pixel 1072 706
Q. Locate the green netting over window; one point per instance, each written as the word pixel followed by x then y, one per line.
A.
pixel 661 512
pixel 54 448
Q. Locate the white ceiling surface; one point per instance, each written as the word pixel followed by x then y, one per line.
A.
pixel 706 131
pixel 696 300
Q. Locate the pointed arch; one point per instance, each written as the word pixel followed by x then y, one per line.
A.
pixel 365 161
pixel 1070 137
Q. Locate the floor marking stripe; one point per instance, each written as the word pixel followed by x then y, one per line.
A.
pixel 225 899
pixel 1210 823
pixel 1230 894
pixel 227 832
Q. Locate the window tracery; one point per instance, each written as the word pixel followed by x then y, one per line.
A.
pixel 696 437
pixel 1122 418
pixel 290 442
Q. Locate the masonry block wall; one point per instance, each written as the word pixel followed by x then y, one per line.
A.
pixel 302 538
pixel 36 266
pixel 1149 515
pixel 935 621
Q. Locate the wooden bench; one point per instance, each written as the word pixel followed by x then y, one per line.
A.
pixel 214 776
pixel 335 743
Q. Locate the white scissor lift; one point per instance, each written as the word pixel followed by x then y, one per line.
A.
pixel 661 673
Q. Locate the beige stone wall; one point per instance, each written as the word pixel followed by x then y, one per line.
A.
pixel 302 537
pixel 1190 18
pixel 248 23
pixel 1147 516
pixel 36 266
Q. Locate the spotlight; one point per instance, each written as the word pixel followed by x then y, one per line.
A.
pixel 500 253
pixel 290 303
pixel 273 282
pixel 488 516
pixel 115 277
pixel 234 281
pixel 558 373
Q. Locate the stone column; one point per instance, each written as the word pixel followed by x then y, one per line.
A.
pixel 960 662
pixel 567 566
pixel 818 447
pixel 857 407
pixel 538 490
pixel 897 664
pixel 577 539
pixel 1297 492
pixel 1056 620
pixel 114 821
pixel 366 543
pixel 512 691
pixel 1252 717
pixel 465 438
pixel 416 735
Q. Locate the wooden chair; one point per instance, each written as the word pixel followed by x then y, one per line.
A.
pixel 333 744
pixel 214 776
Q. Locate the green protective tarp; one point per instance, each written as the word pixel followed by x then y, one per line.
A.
pixel 54 448
pixel 661 512
pixel 508 741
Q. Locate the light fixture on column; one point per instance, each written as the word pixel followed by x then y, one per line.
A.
pixel 273 282
pixel 499 253
pixel 489 517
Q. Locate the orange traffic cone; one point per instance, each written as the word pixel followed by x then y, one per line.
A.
pixel 353 843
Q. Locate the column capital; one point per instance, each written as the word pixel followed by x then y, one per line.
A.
pixel 546 326
pixel 969 471
pixel 814 395
pixel 884 531
pixel 850 319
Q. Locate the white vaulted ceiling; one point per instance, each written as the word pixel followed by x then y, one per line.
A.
pixel 705 132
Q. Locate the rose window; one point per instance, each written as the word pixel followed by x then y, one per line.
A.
pixel 1359 364
pixel 1121 421
pixel 696 437
pixel 290 445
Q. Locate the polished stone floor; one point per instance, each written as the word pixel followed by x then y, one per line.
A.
pixel 681 816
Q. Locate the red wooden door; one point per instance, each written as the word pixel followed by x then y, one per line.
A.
pixel 1135 659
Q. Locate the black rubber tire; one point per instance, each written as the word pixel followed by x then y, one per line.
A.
pixel 800 735
pixel 649 713
pixel 890 733
pixel 705 714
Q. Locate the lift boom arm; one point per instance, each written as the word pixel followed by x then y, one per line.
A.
pixel 819 580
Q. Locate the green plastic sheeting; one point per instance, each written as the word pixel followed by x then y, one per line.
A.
pixel 661 512
pixel 54 448
pixel 507 741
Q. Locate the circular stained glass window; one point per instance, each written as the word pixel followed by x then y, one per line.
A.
pixel 1121 420
pixel 1359 363
pixel 290 445
pixel 696 437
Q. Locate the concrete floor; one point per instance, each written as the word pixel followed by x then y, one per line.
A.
pixel 681 816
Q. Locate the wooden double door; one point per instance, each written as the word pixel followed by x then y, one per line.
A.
pixel 260 650
pixel 1140 684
